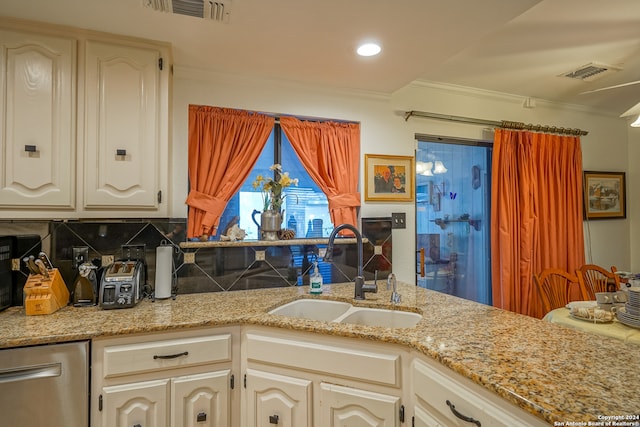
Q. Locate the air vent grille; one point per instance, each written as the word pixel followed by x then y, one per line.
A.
pixel 219 11
pixel 591 72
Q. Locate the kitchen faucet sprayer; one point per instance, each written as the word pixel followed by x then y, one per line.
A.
pixel 361 287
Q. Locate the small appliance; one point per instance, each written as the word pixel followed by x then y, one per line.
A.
pixel 122 284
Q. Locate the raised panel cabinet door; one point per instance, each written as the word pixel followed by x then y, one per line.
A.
pixel 122 93
pixel 422 418
pixel 201 400
pixel 142 404
pixel 277 400
pixel 350 407
pixel 37 120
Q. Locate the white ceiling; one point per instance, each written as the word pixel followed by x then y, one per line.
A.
pixel 511 46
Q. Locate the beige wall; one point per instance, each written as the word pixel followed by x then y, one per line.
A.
pixel 385 131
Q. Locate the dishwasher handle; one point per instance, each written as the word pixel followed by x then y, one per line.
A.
pixel 30 373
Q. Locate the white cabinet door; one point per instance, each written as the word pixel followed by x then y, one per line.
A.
pixel 142 404
pixel 350 407
pixel 201 400
pixel 37 120
pixel 122 134
pixel 277 400
pixel 423 418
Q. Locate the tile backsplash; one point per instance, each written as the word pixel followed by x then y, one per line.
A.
pixel 213 268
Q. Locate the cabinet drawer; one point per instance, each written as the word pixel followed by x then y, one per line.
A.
pixel 150 356
pixel 444 395
pixel 336 360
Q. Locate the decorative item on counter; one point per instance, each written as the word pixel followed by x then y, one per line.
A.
pixel 273 196
pixel 287 234
pixel 235 233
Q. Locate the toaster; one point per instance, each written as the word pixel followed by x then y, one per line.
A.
pixel 122 284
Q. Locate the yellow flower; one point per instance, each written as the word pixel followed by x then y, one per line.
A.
pixel 272 194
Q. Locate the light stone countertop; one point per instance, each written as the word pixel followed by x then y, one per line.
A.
pixel 556 373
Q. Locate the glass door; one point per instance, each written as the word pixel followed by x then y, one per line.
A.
pixel 452 217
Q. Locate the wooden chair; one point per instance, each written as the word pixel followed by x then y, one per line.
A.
pixel 557 288
pixel 598 279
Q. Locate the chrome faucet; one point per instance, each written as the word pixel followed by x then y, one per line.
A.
pixel 395 296
pixel 361 287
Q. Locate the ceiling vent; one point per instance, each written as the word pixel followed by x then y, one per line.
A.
pixel 208 9
pixel 591 72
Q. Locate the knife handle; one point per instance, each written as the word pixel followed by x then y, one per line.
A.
pixel 45 259
pixel 43 268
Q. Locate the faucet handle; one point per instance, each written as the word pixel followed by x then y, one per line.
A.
pixel 391 277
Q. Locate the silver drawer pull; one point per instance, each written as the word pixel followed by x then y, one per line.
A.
pixel 30 148
pixel 31 372
pixel 462 417
pixel 172 356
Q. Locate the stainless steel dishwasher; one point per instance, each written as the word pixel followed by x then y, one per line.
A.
pixel 45 385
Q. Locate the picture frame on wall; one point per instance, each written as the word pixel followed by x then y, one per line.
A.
pixel 604 195
pixel 389 178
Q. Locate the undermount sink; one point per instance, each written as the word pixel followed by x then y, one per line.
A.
pixel 381 317
pixel 313 309
pixel 343 312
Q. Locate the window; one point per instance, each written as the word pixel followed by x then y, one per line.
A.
pixel 306 209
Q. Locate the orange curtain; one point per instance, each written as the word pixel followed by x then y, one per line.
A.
pixel 330 152
pixel 536 214
pixel 224 145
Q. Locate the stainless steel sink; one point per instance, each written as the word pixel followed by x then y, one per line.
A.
pixel 314 309
pixel 343 312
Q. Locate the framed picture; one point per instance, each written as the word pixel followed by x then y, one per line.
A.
pixel 388 178
pixel 605 195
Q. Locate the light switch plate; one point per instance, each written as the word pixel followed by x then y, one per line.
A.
pixel 260 255
pixel 399 220
pixel 189 257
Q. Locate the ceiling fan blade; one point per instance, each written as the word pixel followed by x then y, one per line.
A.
pixel 611 87
pixel 633 111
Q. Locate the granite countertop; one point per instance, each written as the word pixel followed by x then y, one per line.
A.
pixel 556 373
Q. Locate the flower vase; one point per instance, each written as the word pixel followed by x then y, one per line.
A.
pixel 270 225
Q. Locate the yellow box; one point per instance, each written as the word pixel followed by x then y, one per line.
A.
pixel 45 295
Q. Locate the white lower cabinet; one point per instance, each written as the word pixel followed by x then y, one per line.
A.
pixel 304 380
pixel 274 399
pixel 445 398
pixel 253 376
pixel 346 407
pixel 174 379
pixel 136 405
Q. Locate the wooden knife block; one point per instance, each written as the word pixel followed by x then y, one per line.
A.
pixel 45 295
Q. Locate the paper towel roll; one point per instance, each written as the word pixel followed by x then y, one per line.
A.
pixel 164 271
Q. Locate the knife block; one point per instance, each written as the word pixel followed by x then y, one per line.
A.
pixel 45 295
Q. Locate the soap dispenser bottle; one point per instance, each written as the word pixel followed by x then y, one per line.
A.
pixel 315 283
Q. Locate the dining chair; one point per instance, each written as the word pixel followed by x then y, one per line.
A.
pixel 598 279
pixel 558 287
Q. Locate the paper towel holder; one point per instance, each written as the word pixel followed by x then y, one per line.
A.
pixel 165 276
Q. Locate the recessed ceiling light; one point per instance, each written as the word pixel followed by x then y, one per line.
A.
pixel 368 49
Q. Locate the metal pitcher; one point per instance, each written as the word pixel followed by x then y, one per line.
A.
pixel 270 224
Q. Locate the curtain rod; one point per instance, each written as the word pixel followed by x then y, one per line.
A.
pixel 502 124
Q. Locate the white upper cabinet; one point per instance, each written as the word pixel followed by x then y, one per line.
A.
pixel 37 121
pixel 122 134
pixel 84 123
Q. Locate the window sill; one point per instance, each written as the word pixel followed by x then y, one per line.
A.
pixel 262 243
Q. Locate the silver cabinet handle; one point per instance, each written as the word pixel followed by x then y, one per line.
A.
pixel 30 148
pixel 31 372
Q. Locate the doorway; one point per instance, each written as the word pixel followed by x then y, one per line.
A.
pixel 453 216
